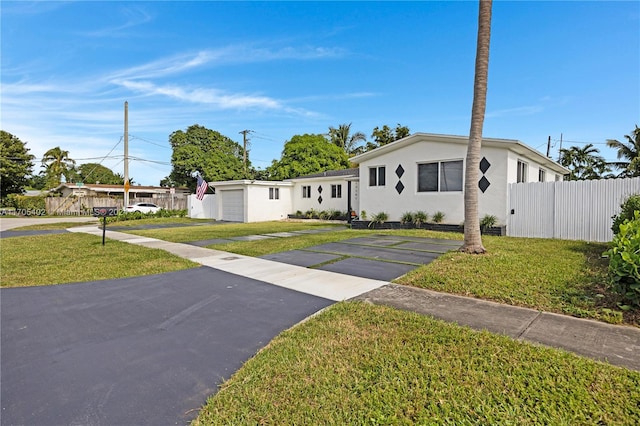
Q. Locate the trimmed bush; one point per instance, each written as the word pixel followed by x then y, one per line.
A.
pixel 627 209
pixel 487 221
pixel 378 219
pixel 438 217
pixel 420 218
pixel 624 261
pixel 406 218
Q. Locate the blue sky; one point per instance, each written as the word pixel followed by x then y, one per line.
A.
pixel 286 68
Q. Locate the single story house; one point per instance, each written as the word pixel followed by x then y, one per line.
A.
pixel 104 190
pixel 421 172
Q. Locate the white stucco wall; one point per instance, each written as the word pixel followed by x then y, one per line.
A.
pixel 376 199
pixel 260 208
pixel 328 203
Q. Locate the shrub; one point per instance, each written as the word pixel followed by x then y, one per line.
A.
pixel 406 218
pixel 363 215
pixel 438 217
pixel 310 214
pixel 419 218
pixel 378 219
pixel 624 261
pixel 487 221
pixel 627 209
pixel 26 206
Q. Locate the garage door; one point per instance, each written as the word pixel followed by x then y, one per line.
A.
pixel 233 205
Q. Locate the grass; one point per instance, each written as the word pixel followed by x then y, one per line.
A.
pixel 552 275
pixel 357 363
pixel 53 226
pixel 65 258
pixel 227 230
pixel 159 221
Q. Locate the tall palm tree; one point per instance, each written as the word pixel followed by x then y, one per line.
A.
pixel 584 163
pixel 57 163
pixel 630 151
pixel 341 137
pixel 472 238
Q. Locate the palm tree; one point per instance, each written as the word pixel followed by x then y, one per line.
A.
pixel 583 163
pixel 472 238
pixel 57 163
pixel 630 151
pixel 340 136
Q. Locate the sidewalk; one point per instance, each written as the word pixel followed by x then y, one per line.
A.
pixel 617 345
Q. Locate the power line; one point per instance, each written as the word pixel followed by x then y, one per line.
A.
pixel 156 143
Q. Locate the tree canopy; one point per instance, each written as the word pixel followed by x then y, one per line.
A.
pixel 97 173
pixel 628 153
pixel 16 164
pixel 206 152
pixel 584 163
pixel 307 154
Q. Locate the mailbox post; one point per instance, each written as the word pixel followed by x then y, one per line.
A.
pixel 104 212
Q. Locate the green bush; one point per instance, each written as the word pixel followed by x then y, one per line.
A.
pixel 627 209
pixel 124 216
pixel 487 221
pixel 26 206
pixel 438 217
pixel 624 261
pixel 378 219
pixel 406 218
pixel 419 218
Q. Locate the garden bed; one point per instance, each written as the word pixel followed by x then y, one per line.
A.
pixel 442 227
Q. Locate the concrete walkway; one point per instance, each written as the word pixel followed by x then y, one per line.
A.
pixel 617 345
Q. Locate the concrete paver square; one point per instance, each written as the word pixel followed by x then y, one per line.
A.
pixel 204 243
pixel 384 271
pixel 301 258
pixel 250 238
pixel 438 248
pixel 372 241
pixel 136 351
pixel 385 253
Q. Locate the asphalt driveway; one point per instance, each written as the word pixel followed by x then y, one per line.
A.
pixel 136 351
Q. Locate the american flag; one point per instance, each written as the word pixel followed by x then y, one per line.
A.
pixel 201 188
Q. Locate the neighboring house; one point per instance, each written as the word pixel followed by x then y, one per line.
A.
pixel 422 172
pixel 103 190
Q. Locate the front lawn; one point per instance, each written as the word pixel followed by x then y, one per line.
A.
pixel 357 363
pixel 70 257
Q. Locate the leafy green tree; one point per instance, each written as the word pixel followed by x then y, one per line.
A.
pixel 206 152
pixel 386 135
pixel 342 137
pixel 307 154
pixel 630 152
pixel 16 164
pixel 39 181
pixel 57 164
pixel 97 173
pixel 584 163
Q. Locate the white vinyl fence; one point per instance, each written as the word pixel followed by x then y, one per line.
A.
pixel 573 210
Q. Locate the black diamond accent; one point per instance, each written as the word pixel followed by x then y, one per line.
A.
pixel 399 187
pixel 320 199
pixel 484 165
pixel 399 171
pixel 483 184
pixel 320 189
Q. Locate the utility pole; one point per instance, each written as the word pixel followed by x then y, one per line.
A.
pixel 560 150
pixel 548 146
pixel 126 154
pixel 244 151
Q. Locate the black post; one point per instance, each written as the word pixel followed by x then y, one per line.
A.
pixel 104 227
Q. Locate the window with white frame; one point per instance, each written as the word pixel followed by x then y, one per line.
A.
pixel 541 175
pixel 522 172
pixel 306 191
pixel 377 176
pixel 336 191
pixel 274 193
pixel 441 176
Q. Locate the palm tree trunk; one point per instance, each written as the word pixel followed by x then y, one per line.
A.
pixel 472 238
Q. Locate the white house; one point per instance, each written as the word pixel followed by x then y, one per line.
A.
pixel 425 172
pixel 422 172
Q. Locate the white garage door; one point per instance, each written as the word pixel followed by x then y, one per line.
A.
pixel 233 205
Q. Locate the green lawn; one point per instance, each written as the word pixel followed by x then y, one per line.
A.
pixel 357 363
pixel 65 258
pixel 227 230
pixel 53 226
